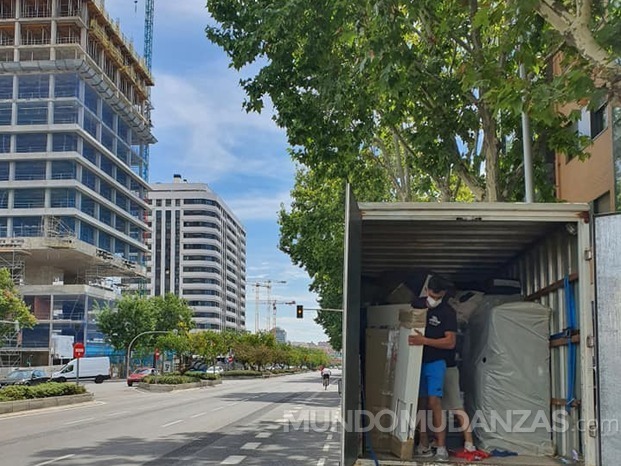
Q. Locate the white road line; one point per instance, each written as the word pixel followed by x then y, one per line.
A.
pixel 218 409
pixel 321 462
pixel 118 413
pixel 198 415
pixel 251 446
pixel 172 423
pixel 55 460
pixel 42 411
pixel 329 437
pixel 235 459
pixel 79 420
pixel 326 447
pixel 263 435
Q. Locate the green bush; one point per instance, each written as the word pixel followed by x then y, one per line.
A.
pixel 202 375
pixel 168 379
pixel 242 373
pixel 44 390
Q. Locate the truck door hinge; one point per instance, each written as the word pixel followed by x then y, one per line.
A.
pixel 588 254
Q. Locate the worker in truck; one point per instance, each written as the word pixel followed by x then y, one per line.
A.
pixel 438 348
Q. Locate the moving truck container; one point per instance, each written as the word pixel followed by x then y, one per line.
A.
pixel 554 251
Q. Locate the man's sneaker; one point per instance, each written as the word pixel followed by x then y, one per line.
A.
pixel 469 447
pixel 423 452
pixel 441 454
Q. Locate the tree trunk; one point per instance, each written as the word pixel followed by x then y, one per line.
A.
pixel 491 147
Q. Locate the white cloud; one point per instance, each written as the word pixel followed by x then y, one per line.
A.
pixel 259 207
pixel 204 114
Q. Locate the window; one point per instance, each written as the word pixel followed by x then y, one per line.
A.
pixel 66 85
pixel 63 170
pixel 4 171
pixel 107 115
pixel 87 233
pixel 89 179
pixel 121 224
pixel 63 197
pixel 6 87
pixel 107 166
pixel 121 177
pixel 34 86
pixel 105 215
pixel 64 142
pixel 105 190
pixel 91 99
pixel 29 171
pixel 90 124
pixel 123 131
pixel 90 153
pixel 31 142
pixel 119 247
pixel 121 201
pixel 32 113
pixel 599 120
pixel 6 111
pixel 29 198
pixel 105 241
pixel 66 113
pixel 88 205
pixel 67 225
pixel 107 139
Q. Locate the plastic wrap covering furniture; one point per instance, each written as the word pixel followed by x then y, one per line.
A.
pixel 407 381
pixel 385 316
pixel 465 303
pixel 507 376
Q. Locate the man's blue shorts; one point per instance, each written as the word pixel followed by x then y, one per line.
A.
pixel 432 379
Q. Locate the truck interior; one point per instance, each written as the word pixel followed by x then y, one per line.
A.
pixel 400 244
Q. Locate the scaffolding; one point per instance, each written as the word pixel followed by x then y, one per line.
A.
pixel 10 345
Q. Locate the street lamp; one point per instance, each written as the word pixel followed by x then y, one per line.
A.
pixel 129 348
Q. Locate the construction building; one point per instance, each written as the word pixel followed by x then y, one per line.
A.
pixel 280 334
pixel 198 252
pixel 74 137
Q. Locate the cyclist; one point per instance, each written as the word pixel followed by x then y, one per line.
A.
pixel 325 375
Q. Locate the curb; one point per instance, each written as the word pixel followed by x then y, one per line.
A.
pixel 7 407
pixel 161 388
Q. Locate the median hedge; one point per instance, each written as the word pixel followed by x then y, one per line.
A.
pixel 202 375
pixel 169 379
pixel 243 373
pixel 44 390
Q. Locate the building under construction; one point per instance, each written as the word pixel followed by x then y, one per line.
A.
pixel 74 138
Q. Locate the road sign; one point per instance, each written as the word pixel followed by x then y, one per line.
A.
pixel 78 350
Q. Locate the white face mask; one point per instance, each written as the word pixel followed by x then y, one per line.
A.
pixel 432 302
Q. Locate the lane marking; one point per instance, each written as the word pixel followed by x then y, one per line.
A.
pixel 172 423
pixel 79 420
pixel 55 460
pixel 263 435
pixel 326 447
pixel 118 413
pixel 218 409
pixel 330 437
pixel 198 415
pixel 321 462
pixel 53 409
pixel 235 459
pixel 251 446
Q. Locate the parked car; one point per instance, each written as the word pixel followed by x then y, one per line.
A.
pixel 214 370
pixel 139 374
pixel 24 377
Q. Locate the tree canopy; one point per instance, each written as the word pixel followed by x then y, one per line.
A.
pixel 132 315
pixel 12 306
pixel 408 100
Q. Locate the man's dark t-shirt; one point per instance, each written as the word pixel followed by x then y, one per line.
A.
pixel 440 319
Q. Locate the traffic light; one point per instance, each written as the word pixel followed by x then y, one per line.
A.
pixel 299 311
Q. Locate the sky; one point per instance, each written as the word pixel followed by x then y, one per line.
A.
pixel 204 134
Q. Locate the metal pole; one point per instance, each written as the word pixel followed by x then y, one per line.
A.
pixel 131 343
pixel 77 372
pixel 526 142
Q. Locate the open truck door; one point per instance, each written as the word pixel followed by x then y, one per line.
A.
pixel 351 330
pixel 608 326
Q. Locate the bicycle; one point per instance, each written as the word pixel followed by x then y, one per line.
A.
pixel 326 381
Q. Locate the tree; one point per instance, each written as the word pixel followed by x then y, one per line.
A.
pixel 131 315
pixel 12 306
pixel 593 30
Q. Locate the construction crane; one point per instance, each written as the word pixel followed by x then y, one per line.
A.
pixel 274 303
pixel 268 285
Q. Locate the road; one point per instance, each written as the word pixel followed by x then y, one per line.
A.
pixel 249 422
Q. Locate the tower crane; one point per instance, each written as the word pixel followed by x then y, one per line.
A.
pixel 274 310
pixel 268 285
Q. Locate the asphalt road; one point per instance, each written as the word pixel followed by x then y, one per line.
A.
pixel 279 421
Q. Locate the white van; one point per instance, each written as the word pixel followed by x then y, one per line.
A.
pixel 97 369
